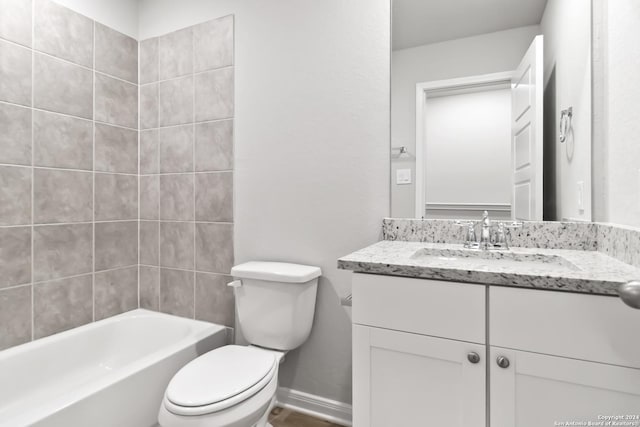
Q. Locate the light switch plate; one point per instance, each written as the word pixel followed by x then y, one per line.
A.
pixel 403 176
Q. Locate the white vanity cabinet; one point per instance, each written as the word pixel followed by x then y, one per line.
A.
pixel 541 390
pixel 543 357
pixel 571 357
pixel 418 353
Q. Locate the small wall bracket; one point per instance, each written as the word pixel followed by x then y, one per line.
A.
pixel 566 116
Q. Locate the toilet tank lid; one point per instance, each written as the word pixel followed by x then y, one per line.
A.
pixel 276 271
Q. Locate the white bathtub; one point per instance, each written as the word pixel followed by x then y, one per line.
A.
pixel 110 373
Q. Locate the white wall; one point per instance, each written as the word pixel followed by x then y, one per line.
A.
pixel 566 25
pixel 121 15
pixel 312 148
pixel 621 104
pixel 488 53
pixel 468 149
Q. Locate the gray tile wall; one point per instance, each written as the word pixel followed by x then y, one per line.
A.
pixel 186 172
pixel 68 171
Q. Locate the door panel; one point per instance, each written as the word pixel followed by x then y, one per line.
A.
pixel 523 148
pixel 403 379
pixel 527 91
pixel 523 201
pixel 522 92
pixel 540 390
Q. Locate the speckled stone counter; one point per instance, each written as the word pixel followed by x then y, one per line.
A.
pixel 532 234
pixel 617 241
pixel 590 271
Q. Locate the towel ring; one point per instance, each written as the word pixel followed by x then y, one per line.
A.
pixel 565 123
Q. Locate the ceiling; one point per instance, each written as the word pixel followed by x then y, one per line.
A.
pixel 418 22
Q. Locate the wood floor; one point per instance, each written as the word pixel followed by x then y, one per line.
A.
pixel 281 417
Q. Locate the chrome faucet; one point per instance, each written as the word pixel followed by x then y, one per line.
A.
pixel 485 234
pixel 492 237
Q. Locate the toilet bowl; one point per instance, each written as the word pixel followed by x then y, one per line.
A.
pixel 235 386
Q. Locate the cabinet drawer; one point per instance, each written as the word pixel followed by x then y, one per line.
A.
pixel 580 326
pixel 427 307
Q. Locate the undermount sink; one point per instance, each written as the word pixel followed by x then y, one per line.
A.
pixel 505 259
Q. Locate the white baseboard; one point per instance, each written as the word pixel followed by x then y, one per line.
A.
pixel 315 406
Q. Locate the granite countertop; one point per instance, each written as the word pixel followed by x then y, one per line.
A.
pixel 553 269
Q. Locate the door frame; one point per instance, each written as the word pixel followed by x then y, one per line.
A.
pixel 422 91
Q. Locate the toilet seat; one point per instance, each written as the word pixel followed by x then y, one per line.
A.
pixel 248 413
pixel 219 379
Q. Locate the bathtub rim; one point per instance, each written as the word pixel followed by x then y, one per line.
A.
pixel 199 330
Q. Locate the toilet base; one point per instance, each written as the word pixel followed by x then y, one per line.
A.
pixel 264 421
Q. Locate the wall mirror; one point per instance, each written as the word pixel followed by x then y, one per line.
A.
pixel 491 109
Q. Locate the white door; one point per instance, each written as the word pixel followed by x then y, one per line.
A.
pixel 403 379
pixel 539 390
pixel 527 91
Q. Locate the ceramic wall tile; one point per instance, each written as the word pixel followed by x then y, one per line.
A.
pixel 61 141
pixel 49 139
pixel 16 21
pixel 61 305
pixel 15 316
pixel 116 54
pixel 116 149
pixel 15 138
pixel 15 74
pixel 63 33
pixel 62 87
pixel 116 291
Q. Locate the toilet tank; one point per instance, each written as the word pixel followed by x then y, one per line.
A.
pixel 275 302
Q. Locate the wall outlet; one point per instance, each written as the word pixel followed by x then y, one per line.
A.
pixel 403 176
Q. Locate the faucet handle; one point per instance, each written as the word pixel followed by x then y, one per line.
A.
pixel 470 240
pixel 501 240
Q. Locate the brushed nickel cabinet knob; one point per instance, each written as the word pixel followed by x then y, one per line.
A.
pixel 473 357
pixel 503 362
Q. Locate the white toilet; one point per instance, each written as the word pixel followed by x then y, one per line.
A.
pixel 235 386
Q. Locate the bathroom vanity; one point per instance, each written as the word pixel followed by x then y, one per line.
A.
pixel 527 337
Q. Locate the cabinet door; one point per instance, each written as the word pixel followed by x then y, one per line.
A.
pixel 404 379
pixel 539 390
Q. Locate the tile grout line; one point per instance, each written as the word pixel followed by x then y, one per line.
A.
pixel 193 165
pixel 87 273
pixel 89 222
pixel 159 280
pixel 33 289
pixel 56 279
pixel 59 113
pixel 93 169
pixel 177 269
pixel 192 74
pixel 233 153
pixel 138 44
pixel 181 173
pixel 225 119
pixel 69 170
pixel 19 285
pixel 197 122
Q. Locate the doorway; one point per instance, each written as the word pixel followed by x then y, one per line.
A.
pixel 463 147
